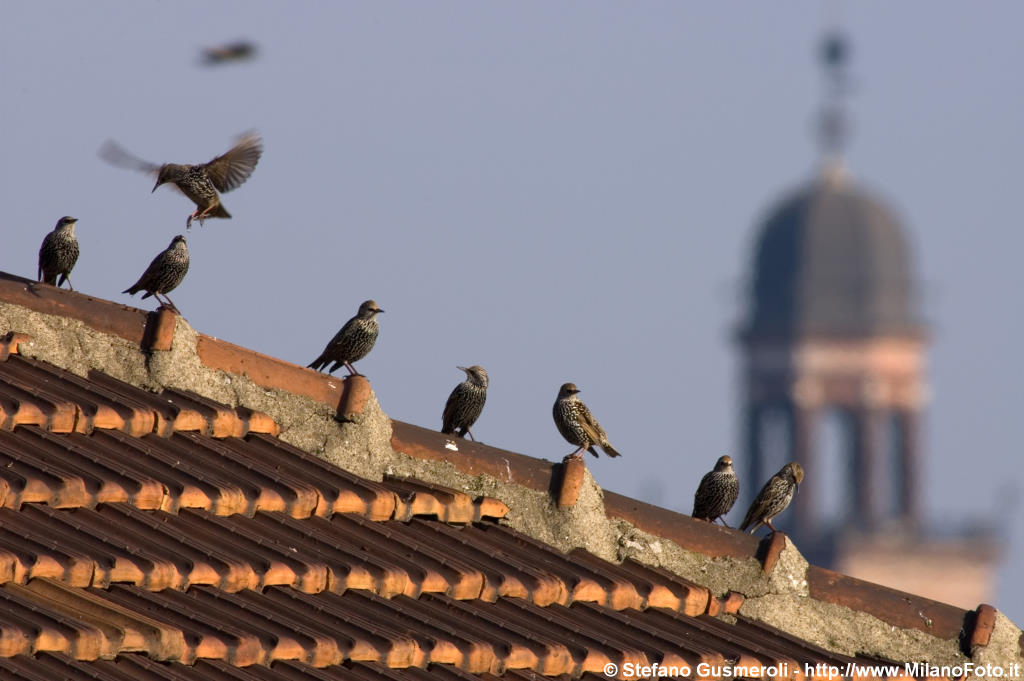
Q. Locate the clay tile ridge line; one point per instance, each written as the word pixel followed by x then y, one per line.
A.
pixel 154 331
pixel 103 315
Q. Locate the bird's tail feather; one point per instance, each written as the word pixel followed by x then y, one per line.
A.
pixel 609 450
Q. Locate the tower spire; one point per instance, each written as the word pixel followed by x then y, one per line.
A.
pixel 833 127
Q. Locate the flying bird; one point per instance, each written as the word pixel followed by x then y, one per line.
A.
pixel 199 182
pixel 716 492
pixel 164 274
pixel 241 50
pixel 353 342
pixel 59 253
pixel 465 403
pixel 774 497
pixel 577 425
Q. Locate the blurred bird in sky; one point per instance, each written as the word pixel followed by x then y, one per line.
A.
pixel 240 50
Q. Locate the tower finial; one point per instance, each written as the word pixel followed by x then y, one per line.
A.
pixel 833 128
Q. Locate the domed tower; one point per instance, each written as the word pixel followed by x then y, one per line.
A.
pixel 834 326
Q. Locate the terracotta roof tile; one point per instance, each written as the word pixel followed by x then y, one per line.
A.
pixel 251 627
pixel 200 463
pixel 35 393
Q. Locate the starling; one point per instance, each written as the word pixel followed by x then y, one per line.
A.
pixel 198 182
pixel 59 253
pixel 165 273
pixel 353 342
pixel 466 402
pixel 774 497
pixel 237 51
pixel 578 425
pixel 717 492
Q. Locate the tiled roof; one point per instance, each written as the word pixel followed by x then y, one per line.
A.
pixel 167 535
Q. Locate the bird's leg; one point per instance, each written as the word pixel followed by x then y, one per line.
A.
pixel 723 521
pixel 169 302
pixel 768 524
pixel 352 370
pixel 578 454
pixel 68 279
pixel 470 434
pixel 188 222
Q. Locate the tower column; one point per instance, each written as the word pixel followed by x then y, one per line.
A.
pixel 910 463
pixel 803 417
pixel 867 422
pixel 752 425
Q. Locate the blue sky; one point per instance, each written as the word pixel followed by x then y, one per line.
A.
pixel 556 191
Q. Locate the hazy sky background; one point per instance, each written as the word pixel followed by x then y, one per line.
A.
pixel 559 191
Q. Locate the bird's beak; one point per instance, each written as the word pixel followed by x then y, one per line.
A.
pixel 462 368
pixel 379 310
pixel 155 186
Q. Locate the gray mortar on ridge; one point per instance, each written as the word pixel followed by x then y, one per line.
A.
pixel 364 449
pixel 849 632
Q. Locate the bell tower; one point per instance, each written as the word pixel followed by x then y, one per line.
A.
pixel 833 326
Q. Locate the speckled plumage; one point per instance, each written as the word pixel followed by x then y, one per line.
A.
pixel 164 274
pixel 577 425
pixel 352 342
pixel 200 182
pixel 465 403
pixel 59 253
pixel 717 492
pixel 774 497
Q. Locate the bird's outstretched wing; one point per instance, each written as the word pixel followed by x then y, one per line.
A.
pixel 235 166
pixel 114 154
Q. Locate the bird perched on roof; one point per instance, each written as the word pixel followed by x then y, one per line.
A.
pixel 353 342
pixel 716 492
pixel 59 253
pixel 199 182
pixel 165 273
pixel 578 425
pixel 774 497
pixel 465 403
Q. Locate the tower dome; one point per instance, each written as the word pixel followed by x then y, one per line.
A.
pixel 832 260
